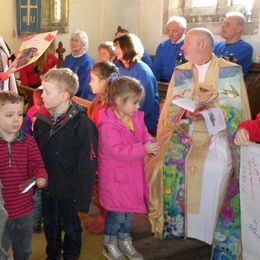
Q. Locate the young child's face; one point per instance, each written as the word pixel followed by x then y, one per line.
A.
pixel 130 106
pixel 104 55
pixel 51 96
pixel 98 85
pixel 11 119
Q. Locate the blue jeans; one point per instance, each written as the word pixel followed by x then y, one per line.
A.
pixel 118 225
pixel 37 215
pixel 60 214
pixel 18 234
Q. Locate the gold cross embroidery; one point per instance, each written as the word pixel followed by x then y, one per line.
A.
pixel 28 6
pixel 167 190
pixel 193 169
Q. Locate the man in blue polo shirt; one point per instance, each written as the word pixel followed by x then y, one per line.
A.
pixel 169 51
pixel 234 48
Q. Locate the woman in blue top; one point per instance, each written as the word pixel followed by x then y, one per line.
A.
pixel 128 50
pixel 80 63
pixel 146 58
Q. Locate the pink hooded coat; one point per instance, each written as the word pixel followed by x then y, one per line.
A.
pixel 122 182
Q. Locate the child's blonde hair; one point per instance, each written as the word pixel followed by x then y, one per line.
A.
pixel 10 97
pixel 125 88
pixel 65 79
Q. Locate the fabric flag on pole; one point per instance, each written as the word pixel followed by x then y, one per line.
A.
pixel 32 48
pixel 250 201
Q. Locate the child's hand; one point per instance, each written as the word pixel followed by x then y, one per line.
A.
pixel 242 137
pixel 152 147
pixel 41 182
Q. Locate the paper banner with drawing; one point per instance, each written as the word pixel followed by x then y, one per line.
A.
pixel 250 201
pixel 32 48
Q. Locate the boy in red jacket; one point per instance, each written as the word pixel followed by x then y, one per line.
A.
pixel 248 131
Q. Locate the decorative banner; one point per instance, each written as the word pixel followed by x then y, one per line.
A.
pixel 250 201
pixel 28 15
pixel 31 49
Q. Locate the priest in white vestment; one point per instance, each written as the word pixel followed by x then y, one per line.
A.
pixel 193 181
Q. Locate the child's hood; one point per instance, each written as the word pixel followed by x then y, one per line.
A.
pixel 108 116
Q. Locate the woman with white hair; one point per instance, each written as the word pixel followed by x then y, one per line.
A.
pixel 80 63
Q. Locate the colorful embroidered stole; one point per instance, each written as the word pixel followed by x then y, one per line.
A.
pixel 226 243
pixel 174 163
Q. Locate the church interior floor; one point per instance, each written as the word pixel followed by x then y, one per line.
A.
pixel 91 247
pixel 150 247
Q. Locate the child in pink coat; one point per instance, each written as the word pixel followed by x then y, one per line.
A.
pixel 123 144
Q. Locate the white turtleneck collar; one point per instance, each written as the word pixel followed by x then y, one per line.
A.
pixel 202 70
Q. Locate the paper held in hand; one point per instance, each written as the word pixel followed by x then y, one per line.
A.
pixel 27 186
pixel 191 105
pixel 32 48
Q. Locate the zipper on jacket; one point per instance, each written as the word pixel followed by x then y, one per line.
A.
pixel 92 155
pixel 9 154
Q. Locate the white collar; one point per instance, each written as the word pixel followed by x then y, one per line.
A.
pixel 180 40
pixel 202 70
pixel 79 55
pixel 203 66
